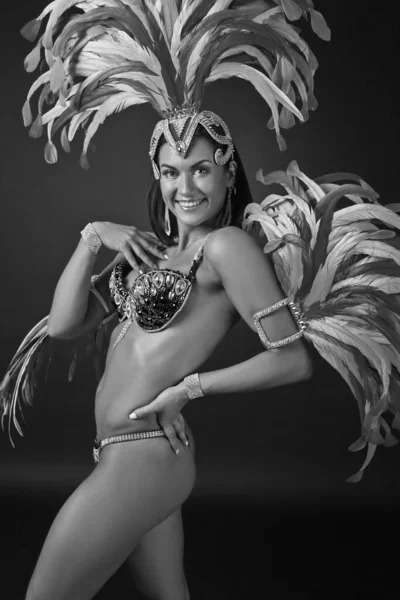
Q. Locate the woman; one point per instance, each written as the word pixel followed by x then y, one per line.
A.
pixel 130 506
pixel 110 55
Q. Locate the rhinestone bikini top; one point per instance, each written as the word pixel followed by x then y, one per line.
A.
pixel 155 298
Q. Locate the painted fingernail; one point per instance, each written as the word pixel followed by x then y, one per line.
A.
pixel 166 256
pixel 133 415
pixel 187 443
pixel 177 451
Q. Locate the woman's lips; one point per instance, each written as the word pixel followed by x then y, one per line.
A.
pixel 191 200
pixel 190 204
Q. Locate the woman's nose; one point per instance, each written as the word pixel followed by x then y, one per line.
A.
pixel 185 185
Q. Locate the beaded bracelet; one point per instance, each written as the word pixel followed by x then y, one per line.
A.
pixel 192 386
pixel 91 238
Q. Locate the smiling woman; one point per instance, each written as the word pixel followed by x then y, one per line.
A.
pixel 195 190
pixel 238 188
pixel 170 311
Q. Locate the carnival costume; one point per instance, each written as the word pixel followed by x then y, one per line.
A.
pixel 341 279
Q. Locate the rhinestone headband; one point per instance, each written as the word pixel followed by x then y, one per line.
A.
pixel 179 112
pixel 179 127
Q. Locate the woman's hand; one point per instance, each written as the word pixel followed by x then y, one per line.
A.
pixel 130 241
pixel 167 406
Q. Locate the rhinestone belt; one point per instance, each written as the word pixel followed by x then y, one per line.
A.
pixel 125 437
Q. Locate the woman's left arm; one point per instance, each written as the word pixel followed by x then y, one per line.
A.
pixel 250 282
pixel 265 370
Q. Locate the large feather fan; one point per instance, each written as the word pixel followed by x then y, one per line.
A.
pixel 98 57
pixel 340 266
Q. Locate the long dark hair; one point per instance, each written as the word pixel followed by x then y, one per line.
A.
pixel 156 204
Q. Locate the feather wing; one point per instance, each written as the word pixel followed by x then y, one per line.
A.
pixel 350 286
pixel 37 349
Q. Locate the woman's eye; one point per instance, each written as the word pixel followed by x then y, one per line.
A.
pixel 202 171
pixel 169 173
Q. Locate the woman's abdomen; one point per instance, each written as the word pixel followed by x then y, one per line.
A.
pixel 114 404
pixel 143 365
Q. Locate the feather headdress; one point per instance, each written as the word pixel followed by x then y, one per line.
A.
pixel 337 265
pixel 103 56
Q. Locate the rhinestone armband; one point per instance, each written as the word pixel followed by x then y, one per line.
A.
pixel 298 316
pixel 193 387
pixel 91 238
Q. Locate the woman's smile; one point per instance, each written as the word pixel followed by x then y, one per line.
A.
pixel 190 204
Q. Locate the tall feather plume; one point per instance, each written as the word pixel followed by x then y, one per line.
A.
pixel 163 53
pixel 348 286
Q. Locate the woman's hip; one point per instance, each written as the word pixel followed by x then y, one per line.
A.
pixel 113 424
pixel 148 456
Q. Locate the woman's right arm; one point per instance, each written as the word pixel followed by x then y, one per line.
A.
pixel 70 301
pixel 75 311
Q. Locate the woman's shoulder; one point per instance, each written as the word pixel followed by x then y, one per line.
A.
pixel 229 240
pixel 232 253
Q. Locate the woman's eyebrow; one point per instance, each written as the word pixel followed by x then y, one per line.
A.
pixel 192 166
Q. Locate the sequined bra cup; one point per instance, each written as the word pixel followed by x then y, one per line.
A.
pixel 156 297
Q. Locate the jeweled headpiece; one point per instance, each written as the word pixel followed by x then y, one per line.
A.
pixel 106 55
pixel 179 128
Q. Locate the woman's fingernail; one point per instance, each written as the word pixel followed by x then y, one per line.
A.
pixel 177 451
pixel 133 415
pixel 187 443
pixel 166 256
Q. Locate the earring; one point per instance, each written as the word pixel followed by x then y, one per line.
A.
pixel 226 219
pixel 167 225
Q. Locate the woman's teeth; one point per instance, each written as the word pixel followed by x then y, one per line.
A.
pixel 190 205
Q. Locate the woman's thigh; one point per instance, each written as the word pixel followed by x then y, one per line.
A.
pixel 135 486
pixel 156 564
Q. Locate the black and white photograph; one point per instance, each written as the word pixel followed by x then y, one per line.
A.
pixel 200 308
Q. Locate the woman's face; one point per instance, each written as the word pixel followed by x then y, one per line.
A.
pixel 194 188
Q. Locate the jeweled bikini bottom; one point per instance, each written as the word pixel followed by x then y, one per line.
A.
pixel 124 437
